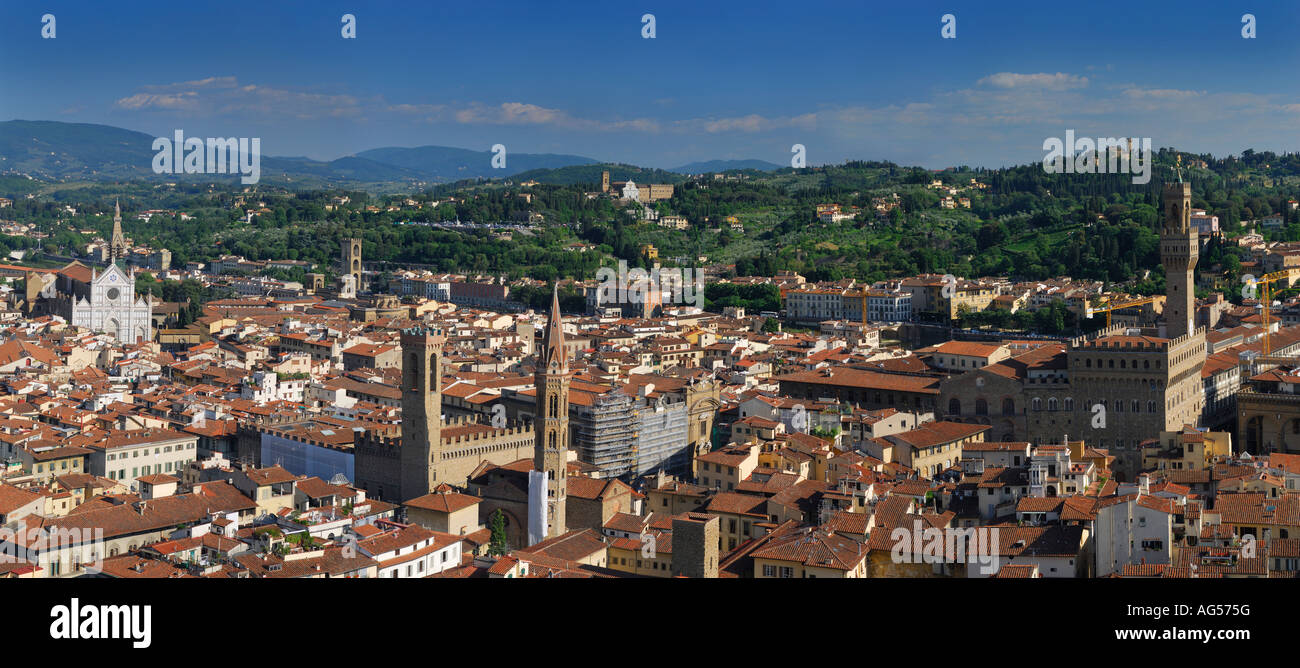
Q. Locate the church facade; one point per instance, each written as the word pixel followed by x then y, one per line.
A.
pixel 97 299
pixel 104 301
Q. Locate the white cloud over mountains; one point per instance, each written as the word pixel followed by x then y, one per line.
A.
pixel 1001 118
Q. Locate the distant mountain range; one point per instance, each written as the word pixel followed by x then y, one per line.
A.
pixel 711 166
pixel 448 164
pixel 57 151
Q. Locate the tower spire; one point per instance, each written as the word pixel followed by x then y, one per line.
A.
pixel 117 245
pixel 553 343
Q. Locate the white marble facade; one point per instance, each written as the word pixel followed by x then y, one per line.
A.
pixel 113 307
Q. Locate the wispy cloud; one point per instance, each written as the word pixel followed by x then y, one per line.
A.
pixel 1057 81
pixel 750 123
pixel 521 113
pixel 1000 116
pixel 225 95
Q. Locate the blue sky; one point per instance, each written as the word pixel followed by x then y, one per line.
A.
pixel 721 80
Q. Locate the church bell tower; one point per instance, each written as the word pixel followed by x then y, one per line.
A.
pixel 117 245
pixel 551 448
pixel 421 453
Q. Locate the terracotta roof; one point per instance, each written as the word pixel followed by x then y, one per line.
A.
pixel 575 545
pixel 443 501
pixel 815 548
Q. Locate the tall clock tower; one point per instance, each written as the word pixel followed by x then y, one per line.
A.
pixel 1178 253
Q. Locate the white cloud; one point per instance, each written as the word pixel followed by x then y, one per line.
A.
pixel 1003 116
pixel 224 95
pixel 1162 93
pixel 187 101
pixel 1058 81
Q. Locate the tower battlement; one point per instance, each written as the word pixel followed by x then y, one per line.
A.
pixel 390 444
pixel 422 336
pixel 1177 199
pixel 1180 340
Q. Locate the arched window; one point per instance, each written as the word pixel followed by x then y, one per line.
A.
pixel 954 406
pixel 981 407
pixel 1037 404
pixel 409 372
pixel 1008 406
pixel 1051 404
pixel 1088 363
pixel 1069 403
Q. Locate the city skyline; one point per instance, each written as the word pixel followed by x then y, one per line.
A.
pixel 913 293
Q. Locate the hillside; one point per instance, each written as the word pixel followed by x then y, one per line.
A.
pixel 710 166
pixel 445 163
pixel 53 150
pixel 56 151
pixel 567 176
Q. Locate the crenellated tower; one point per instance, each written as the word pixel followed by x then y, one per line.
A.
pixel 421 411
pixel 1179 248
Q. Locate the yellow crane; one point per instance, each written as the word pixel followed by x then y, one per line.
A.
pixel 1263 284
pixel 1117 306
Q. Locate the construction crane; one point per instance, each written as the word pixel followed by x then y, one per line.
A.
pixel 1263 283
pixel 1117 306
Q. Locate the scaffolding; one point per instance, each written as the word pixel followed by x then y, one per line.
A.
pixel 663 442
pixel 605 434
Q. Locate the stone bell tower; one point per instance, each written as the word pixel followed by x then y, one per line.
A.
pixel 551 452
pixel 1179 248
pixel 421 454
